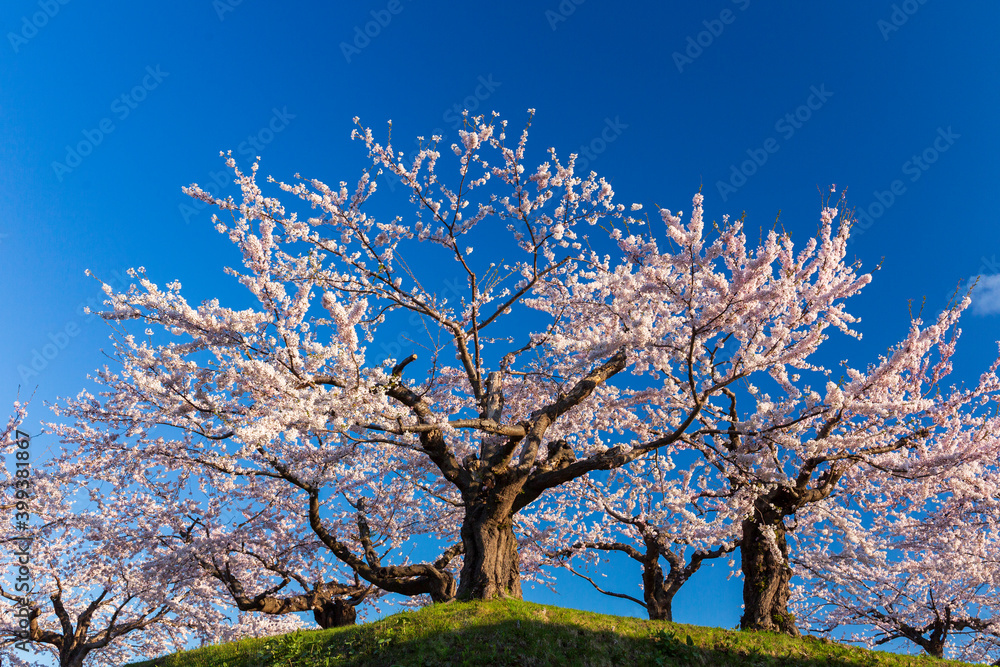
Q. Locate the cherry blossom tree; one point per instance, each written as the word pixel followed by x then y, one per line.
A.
pixel 582 341
pixel 917 564
pixel 89 605
pixel 256 555
pixel 894 420
pixel 83 587
pixel 651 515
pixel 13 422
pixel 100 606
pixel 247 531
pixel 261 578
pixel 252 531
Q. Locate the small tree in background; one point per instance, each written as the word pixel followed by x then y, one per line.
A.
pixel 917 563
pixel 653 516
pixel 79 588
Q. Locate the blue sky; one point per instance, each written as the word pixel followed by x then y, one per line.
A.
pixel 106 112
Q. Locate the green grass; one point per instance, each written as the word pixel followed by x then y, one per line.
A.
pixel 513 633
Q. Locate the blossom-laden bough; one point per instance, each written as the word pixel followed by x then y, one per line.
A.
pixel 77 587
pixel 913 566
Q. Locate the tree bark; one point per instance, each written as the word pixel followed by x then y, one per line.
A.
pixel 490 569
pixel 659 597
pixel 73 657
pixel 766 578
pixel 934 645
pixel 335 613
pixel 936 649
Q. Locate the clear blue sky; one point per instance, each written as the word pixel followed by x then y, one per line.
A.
pixel 869 95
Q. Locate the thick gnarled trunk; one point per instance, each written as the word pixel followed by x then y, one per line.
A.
pixel 935 648
pixel 766 579
pixel 508 473
pixel 73 657
pixel 335 613
pixel 490 569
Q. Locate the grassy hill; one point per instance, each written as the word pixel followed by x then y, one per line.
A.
pixel 516 633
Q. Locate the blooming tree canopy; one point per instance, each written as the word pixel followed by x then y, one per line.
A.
pixel 577 338
pixel 246 532
pixel 917 562
pixel 81 588
pixel 651 514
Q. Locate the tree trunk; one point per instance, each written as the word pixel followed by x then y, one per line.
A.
pixel 335 613
pixel 939 637
pixel 490 569
pixel 936 649
pixel 659 597
pixel 766 579
pixel 72 658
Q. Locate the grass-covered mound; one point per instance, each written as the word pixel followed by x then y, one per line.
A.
pixel 516 633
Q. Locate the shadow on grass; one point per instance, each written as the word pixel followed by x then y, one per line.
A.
pixel 527 643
